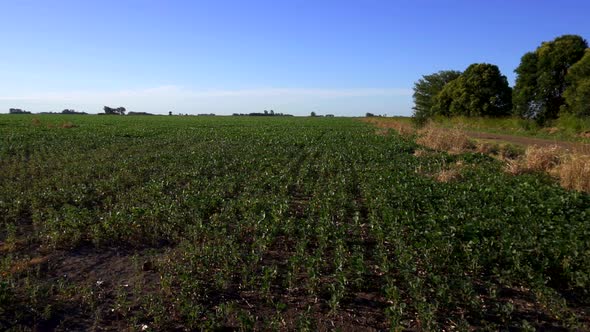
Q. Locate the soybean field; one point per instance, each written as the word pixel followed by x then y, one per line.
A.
pixel 182 223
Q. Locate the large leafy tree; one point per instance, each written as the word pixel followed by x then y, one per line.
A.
pixel 541 82
pixel 577 94
pixel 427 88
pixel 481 90
pixel 524 94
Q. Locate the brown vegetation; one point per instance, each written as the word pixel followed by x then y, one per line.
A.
pixel 540 159
pixel 451 140
pixel 67 125
pixel 448 175
pixel 551 130
pixel 571 168
pixel 384 124
pixel 574 172
pixel 420 153
pixel 535 159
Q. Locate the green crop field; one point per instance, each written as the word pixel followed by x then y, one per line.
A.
pixel 187 223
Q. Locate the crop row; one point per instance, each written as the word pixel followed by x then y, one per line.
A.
pixel 187 223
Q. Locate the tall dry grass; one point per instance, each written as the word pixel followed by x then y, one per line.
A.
pixel 574 172
pixel 453 140
pixel 535 159
pixel 542 158
pixel 572 169
pixel 403 128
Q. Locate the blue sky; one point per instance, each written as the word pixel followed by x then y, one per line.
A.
pixel 340 57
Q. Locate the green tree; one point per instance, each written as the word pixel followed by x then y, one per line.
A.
pixel 541 82
pixel 577 94
pixel 114 111
pixel 524 97
pixel 427 88
pixel 481 90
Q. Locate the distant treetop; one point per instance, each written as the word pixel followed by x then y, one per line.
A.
pixel 114 111
pixel 18 111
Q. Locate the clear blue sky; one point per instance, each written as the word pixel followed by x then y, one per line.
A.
pixel 341 57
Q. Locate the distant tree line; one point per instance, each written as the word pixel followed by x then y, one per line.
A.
pixel 65 111
pixel 114 111
pixel 70 111
pixel 17 111
pixel 107 111
pixel 139 113
pixel 371 115
pixel 314 114
pixel 265 113
pixel 552 80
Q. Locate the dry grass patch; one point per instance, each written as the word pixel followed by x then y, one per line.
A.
pixel 486 148
pixel 574 172
pixel 514 167
pixel 535 159
pixel 67 125
pixel 384 124
pixel 581 149
pixel 572 169
pixel 451 140
pixel 551 130
pixel 448 175
pixel 420 153
pixel 541 159
pixel 404 129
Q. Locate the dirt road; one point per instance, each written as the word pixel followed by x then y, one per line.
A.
pixel 526 141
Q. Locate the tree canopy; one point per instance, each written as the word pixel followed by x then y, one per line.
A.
pixel 481 90
pixel 427 88
pixel 18 111
pixel 577 94
pixel 541 77
pixel 114 111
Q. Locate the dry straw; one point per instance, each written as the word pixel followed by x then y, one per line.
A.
pixel 574 172
pixel 535 159
pixel 571 168
pixel 384 124
pixel 452 140
pixel 448 175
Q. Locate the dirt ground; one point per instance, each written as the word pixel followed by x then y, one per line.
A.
pixel 527 141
